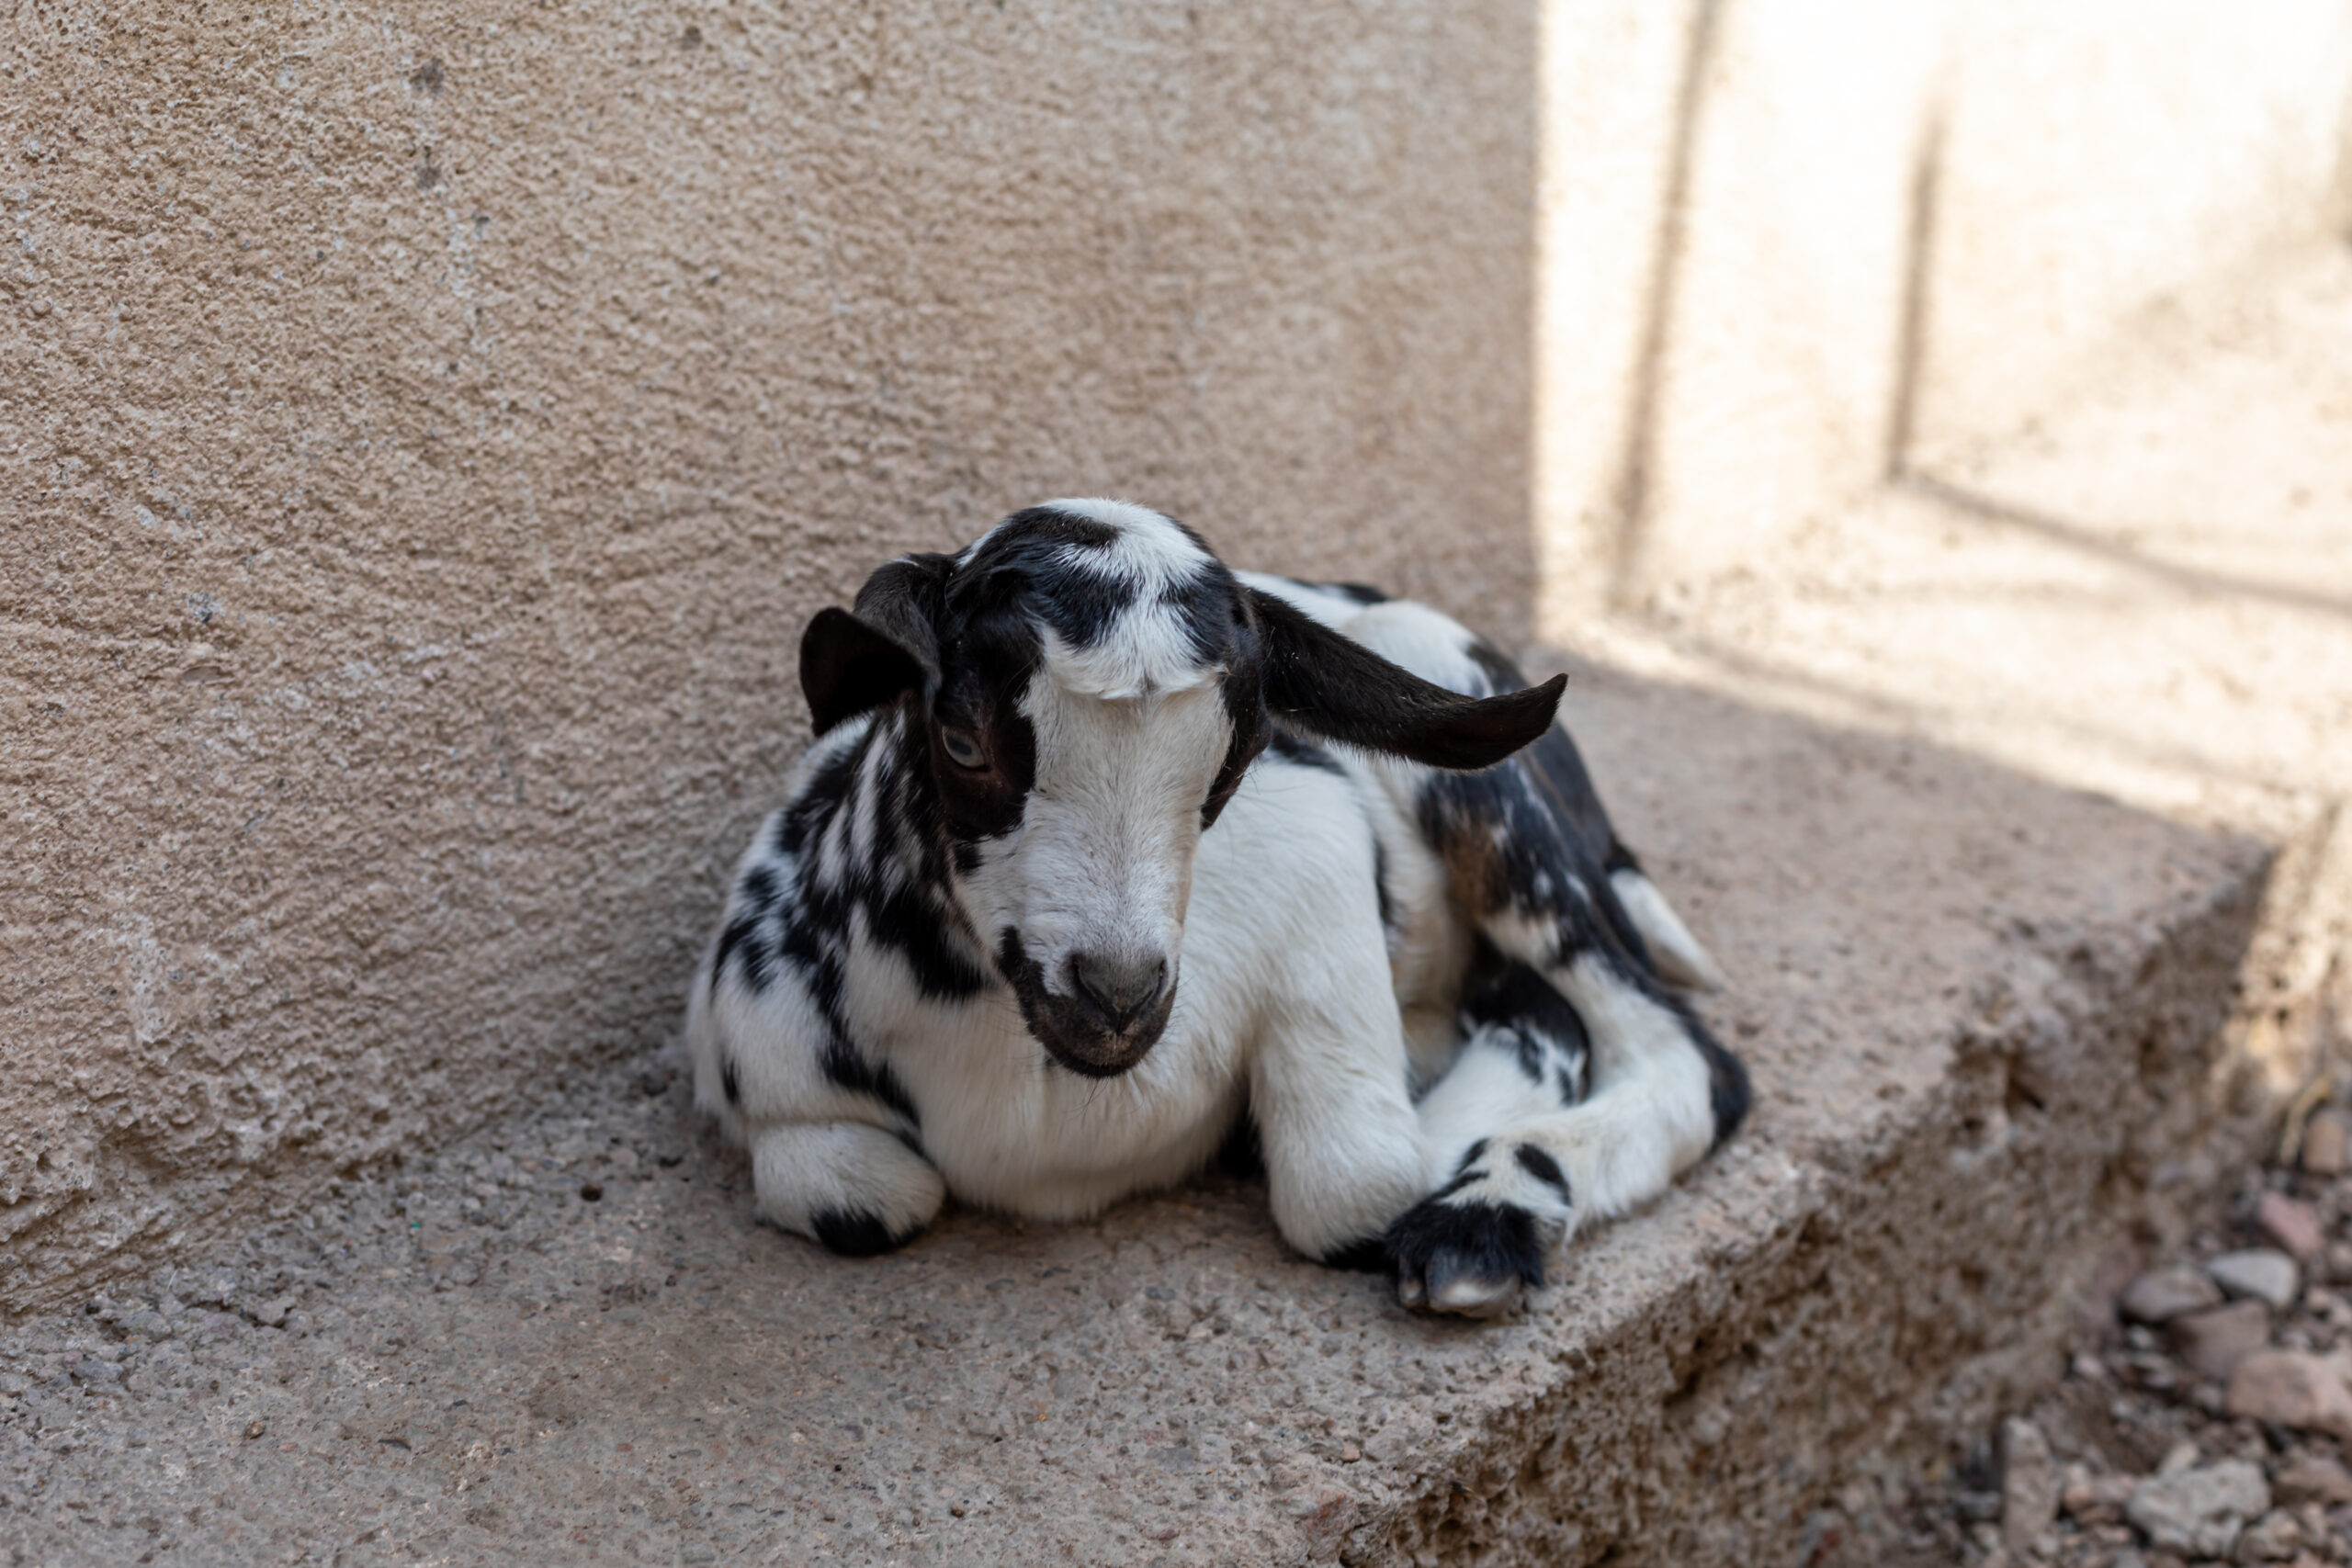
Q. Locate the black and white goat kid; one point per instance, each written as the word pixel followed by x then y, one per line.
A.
pixel 1103 847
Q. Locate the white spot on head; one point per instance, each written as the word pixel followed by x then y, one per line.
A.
pixel 1148 648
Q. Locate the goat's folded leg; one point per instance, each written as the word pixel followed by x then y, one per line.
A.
pixel 1336 1124
pixel 1524 1177
pixel 853 1186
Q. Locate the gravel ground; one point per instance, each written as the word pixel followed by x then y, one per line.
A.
pixel 2200 1423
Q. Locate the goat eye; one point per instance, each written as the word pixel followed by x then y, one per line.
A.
pixel 961 749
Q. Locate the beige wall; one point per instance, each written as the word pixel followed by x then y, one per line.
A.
pixel 424 430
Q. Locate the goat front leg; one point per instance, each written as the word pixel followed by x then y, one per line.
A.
pixel 1525 1174
pixel 823 1163
pixel 850 1185
pixel 1336 1124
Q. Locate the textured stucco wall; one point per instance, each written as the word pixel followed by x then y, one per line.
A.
pixel 425 428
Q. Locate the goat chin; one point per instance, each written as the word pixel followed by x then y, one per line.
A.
pixel 947 964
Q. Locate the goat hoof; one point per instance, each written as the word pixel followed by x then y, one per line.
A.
pixel 1455 1286
pixel 1473 1258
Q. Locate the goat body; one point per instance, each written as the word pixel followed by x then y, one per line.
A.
pixel 1103 847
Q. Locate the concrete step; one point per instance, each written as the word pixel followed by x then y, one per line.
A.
pixel 1982 1013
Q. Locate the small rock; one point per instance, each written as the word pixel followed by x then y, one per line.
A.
pixel 2200 1512
pixel 2327 1143
pixel 2261 1272
pixel 2098 1499
pixel 2314 1478
pixel 2215 1342
pixel 2292 1223
pixel 272 1313
pixel 2029 1484
pixel 2337 1262
pixel 2292 1388
pixel 2276 1536
pixel 147 1326
pixel 2161 1294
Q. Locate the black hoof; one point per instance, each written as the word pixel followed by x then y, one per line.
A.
pixel 855 1236
pixel 1473 1258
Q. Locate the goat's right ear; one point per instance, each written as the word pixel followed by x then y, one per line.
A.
pixel 1328 684
pixel 852 662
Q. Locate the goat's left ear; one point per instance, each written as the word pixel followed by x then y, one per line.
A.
pixel 852 661
pixel 1326 684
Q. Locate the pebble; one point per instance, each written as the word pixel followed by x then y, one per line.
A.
pixel 2292 1388
pixel 2200 1512
pixel 2214 1342
pixel 2161 1294
pixel 2292 1223
pixel 2098 1499
pixel 2029 1485
pixel 2275 1538
pixel 2327 1143
pixel 2261 1272
pixel 2314 1478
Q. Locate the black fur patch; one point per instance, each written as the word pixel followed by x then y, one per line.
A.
pixel 1304 753
pixel 1242 1156
pixel 1367 1256
pixel 1460 1179
pixel 1727 1086
pixel 1486 1241
pixel 1548 860
pixel 1539 1164
pixel 1028 558
pixel 854 1234
pixel 1360 592
pixel 729 1082
pixel 1543 1027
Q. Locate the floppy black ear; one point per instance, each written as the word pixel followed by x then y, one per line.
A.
pixel 851 663
pixel 1326 684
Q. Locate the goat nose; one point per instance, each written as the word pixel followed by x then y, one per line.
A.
pixel 1123 988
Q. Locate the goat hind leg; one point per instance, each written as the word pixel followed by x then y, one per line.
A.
pixel 1664 1095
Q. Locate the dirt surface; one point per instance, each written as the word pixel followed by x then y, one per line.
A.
pixel 1982 1015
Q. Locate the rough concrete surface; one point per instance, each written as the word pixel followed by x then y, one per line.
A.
pixel 426 427
pixel 1979 1009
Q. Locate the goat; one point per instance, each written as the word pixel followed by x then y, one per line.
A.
pixel 1103 848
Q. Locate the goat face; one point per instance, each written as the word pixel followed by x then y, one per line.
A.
pixel 1082 690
